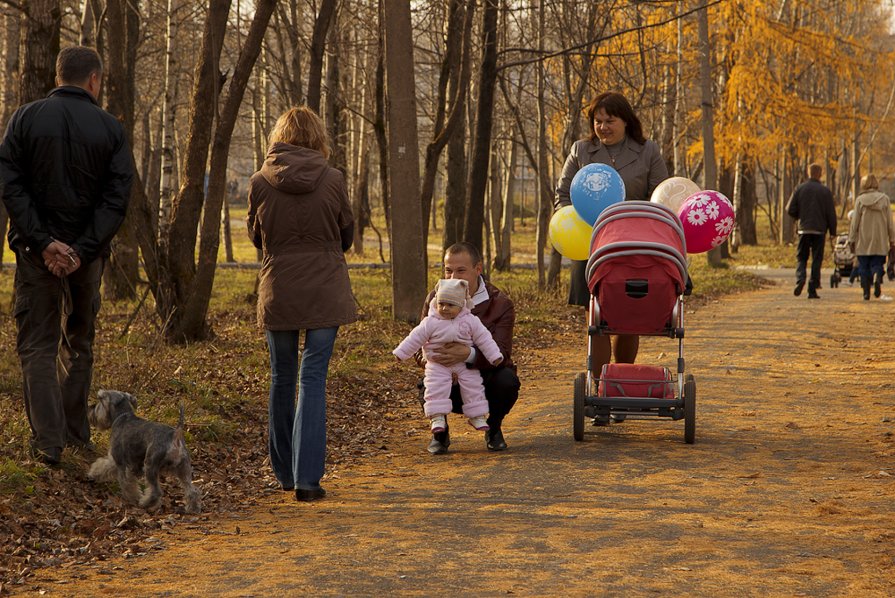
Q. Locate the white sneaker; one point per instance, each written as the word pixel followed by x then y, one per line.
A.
pixel 479 423
pixel 439 423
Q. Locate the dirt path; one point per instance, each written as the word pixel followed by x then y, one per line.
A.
pixel 788 490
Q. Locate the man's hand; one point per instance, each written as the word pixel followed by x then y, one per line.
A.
pixel 60 259
pixel 450 354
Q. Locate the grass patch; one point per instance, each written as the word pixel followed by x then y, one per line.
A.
pixel 16 479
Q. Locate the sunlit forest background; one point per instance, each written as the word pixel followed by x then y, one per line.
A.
pixel 486 94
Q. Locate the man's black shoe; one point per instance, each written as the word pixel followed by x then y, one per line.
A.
pixel 494 440
pixel 601 420
pixel 309 495
pixel 439 443
pixel 799 286
pixel 813 295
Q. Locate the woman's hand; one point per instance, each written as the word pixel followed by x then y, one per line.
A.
pixel 450 354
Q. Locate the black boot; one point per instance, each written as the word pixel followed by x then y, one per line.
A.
pixel 877 284
pixel 494 439
pixel 865 286
pixel 812 291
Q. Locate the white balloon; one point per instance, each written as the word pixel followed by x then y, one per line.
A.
pixel 673 192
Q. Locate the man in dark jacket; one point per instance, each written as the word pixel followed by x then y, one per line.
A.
pixel 812 205
pixel 496 311
pixel 66 171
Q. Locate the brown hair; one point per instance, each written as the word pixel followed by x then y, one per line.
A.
pixel 815 170
pixel 615 104
pixel 302 127
pixel 468 248
pixel 869 182
pixel 75 64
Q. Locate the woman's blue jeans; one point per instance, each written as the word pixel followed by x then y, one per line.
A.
pixel 298 439
pixel 870 266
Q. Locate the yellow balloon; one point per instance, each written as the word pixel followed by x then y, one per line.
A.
pixel 570 234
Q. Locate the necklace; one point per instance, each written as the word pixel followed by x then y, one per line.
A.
pixel 619 147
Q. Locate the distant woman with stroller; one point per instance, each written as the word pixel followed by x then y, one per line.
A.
pixel 616 138
pixel 872 234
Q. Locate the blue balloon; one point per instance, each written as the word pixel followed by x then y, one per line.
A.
pixel 594 188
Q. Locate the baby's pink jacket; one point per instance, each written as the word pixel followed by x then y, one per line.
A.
pixel 434 331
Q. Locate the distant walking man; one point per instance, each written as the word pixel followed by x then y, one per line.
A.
pixel 66 171
pixel 812 205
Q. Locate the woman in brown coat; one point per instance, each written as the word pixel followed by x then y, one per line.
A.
pixel 299 216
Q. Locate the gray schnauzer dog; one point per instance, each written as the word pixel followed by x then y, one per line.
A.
pixel 140 448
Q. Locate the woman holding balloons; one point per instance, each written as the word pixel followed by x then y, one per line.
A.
pixel 616 140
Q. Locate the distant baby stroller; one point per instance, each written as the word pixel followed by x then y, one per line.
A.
pixel 637 276
pixel 843 259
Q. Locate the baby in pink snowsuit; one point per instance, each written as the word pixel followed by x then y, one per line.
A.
pixel 450 320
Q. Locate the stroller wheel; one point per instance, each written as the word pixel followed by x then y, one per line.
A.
pixel 578 411
pixel 690 409
pixel 834 281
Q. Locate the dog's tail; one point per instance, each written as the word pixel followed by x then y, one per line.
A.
pixel 178 442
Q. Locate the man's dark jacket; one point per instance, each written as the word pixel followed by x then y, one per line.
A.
pixel 66 171
pixel 812 205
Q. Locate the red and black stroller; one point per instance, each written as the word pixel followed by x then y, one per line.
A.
pixel 637 276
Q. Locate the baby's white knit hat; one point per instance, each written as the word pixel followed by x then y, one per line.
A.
pixel 452 291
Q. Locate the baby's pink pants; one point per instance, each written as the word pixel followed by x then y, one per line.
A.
pixel 438 390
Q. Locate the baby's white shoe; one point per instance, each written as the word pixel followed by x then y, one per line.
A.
pixel 479 423
pixel 439 423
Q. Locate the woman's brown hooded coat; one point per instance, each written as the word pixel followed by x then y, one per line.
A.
pixel 300 217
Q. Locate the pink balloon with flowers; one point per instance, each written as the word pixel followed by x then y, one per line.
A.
pixel 708 219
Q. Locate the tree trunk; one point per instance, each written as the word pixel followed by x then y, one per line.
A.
pixel 408 251
pixel 10 48
pixel 225 223
pixel 361 206
pixel 90 12
pixel 454 82
pixel 318 45
pixel 679 166
pixel 748 204
pixel 123 22
pixel 493 207
pixel 710 179
pixel 335 104
pixel 502 249
pixel 40 45
pixel 379 121
pixel 481 150
pixel 189 322
pixel 544 198
pixel 167 190
pixel 179 247
pixel 455 190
